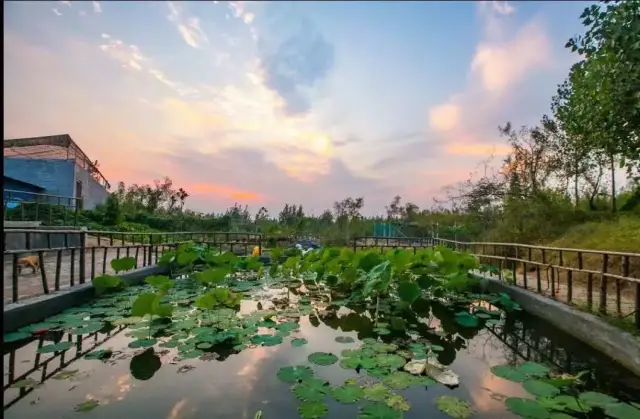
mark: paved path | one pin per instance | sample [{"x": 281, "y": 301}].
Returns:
[{"x": 30, "y": 285}]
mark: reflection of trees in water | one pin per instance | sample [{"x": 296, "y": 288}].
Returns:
[
  {"x": 360, "y": 320},
  {"x": 83, "y": 345},
  {"x": 531, "y": 339}
]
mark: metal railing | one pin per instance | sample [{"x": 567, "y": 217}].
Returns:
[
  {"x": 606, "y": 282},
  {"x": 66, "y": 258},
  {"x": 47, "y": 208}
]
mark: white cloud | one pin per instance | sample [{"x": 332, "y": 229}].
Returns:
[
  {"x": 66, "y": 3},
  {"x": 189, "y": 29},
  {"x": 106, "y": 36},
  {"x": 96, "y": 7},
  {"x": 82, "y": 13},
  {"x": 129, "y": 57},
  {"x": 56, "y": 12}
]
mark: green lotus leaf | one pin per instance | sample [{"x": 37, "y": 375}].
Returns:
[
  {"x": 15, "y": 336},
  {"x": 400, "y": 380},
  {"x": 527, "y": 408},
  {"x": 86, "y": 406},
  {"x": 383, "y": 347},
  {"x": 379, "y": 411},
  {"x": 287, "y": 326},
  {"x": 142, "y": 343},
  {"x": 347, "y": 394},
  {"x": 398, "y": 402},
  {"x": 323, "y": 358},
  {"x": 377, "y": 392},
  {"x": 299, "y": 342},
  {"x": 266, "y": 340},
  {"x": 99, "y": 354},
  {"x": 533, "y": 369},
  {"x": 390, "y": 361},
  {"x": 465, "y": 319},
  {"x": 454, "y": 407},
  {"x": 595, "y": 399},
  {"x": 313, "y": 410},
  {"x": 306, "y": 393},
  {"x": 295, "y": 374},
  {"x": 27, "y": 382},
  {"x": 58, "y": 347},
  {"x": 350, "y": 363},
  {"x": 194, "y": 353},
  {"x": 540, "y": 388},
  {"x": 344, "y": 339},
  {"x": 509, "y": 373},
  {"x": 622, "y": 411}
]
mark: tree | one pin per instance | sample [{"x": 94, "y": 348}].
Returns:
[{"x": 347, "y": 210}]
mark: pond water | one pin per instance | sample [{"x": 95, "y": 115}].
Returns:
[{"x": 240, "y": 379}]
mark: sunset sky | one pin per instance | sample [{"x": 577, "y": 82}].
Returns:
[{"x": 265, "y": 103}]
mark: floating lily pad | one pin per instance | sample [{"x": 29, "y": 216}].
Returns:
[
  {"x": 595, "y": 399},
  {"x": 323, "y": 358},
  {"x": 307, "y": 393},
  {"x": 65, "y": 374},
  {"x": 27, "y": 382},
  {"x": 390, "y": 360},
  {"x": 86, "y": 406},
  {"x": 377, "y": 392},
  {"x": 142, "y": 343},
  {"x": 622, "y": 411},
  {"x": 347, "y": 394},
  {"x": 299, "y": 342},
  {"x": 99, "y": 354},
  {"x": 400, "y": 380},
  {"x": 540, "y": 388},
  {"x": 509, "y": 373},
  {"x": 398, "y": 402},
  {"x": 454, "y": 407},
  {"x": 344, "y": 339},
  {"x": 266, "y": 340},
  {"x": 295, "y": 374},
  {"x": 313, "y": 410},
  {"x": 58, "y": 347},
  {"x": 15, "y": 336},
  {"x": 533, "y": 369},
  {"x": 527, "y": 408},
  {"x": 379, "y": 411}
]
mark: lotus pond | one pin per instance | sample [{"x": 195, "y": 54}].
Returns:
[{"x": 333, "y": 333}]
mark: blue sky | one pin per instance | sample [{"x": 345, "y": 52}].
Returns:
[{"x": 305, "y": 102}]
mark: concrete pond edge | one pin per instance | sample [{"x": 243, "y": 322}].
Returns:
[
  {"x": 36, "y": 309},
  {"x": 617, "y": 344}
]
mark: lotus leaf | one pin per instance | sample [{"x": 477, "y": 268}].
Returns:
[
  {"x": 595, "y": 399},
  {"x": 306, "y": 393},
  {"x": 400, "y": 380},
  {"x": 390, "y": 361},
  {"x": 622, "y": 411},
  {"x": 266, "y": 340},
  {"x": 295, "y": 374},
  {"x": 533, "y": 369},
  {"x": 377, "y": 392},
  {"x": 350, "y": 363},
  {"x": 142, "y": 343},
  {"x": 15, "y": 336},
  {"x": 398, "y": 402},
  {"x": 287, "y": 326},
  {"x": 299, "y": 342},
  {"x": 509, "y": 373},
  {"x": 313, "y": 410},
  {"x": 347, "y": 394},
  {"x": 454, "y": 407},
  {"x": 27, "y": 382},
  {"x": 465, "y": 319},
  {"x": 527, "y": 408},
  {"x": 60, "y": 346},
  {"x": 379, "y": 411},
  {"x": 194, "y": 353},
  {"x": 99, "y": 354},
  {"x": 323, "y": 358},
  {"x": 86, "y": 406},
  {"x": 344, "y": 339},
  {"x": 540, "y": 388}
]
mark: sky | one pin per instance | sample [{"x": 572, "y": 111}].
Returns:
[{"x": 267, "y": 103}]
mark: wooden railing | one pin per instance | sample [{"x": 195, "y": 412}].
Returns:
[
  {"x": 70, "y": 257},
  {"x": 595, "y": 280}
]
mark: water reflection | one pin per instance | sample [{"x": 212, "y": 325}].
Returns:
[
  {"x": 18, "y": 359},
  {"x": 239, "y": 384}
]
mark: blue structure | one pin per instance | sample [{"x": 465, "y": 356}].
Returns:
[
  {"x": 52, "y": 165},
  {"x": 387, "y": 230}
]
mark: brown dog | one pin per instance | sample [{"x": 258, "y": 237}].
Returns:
[{"x": 32, "y": 262}]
